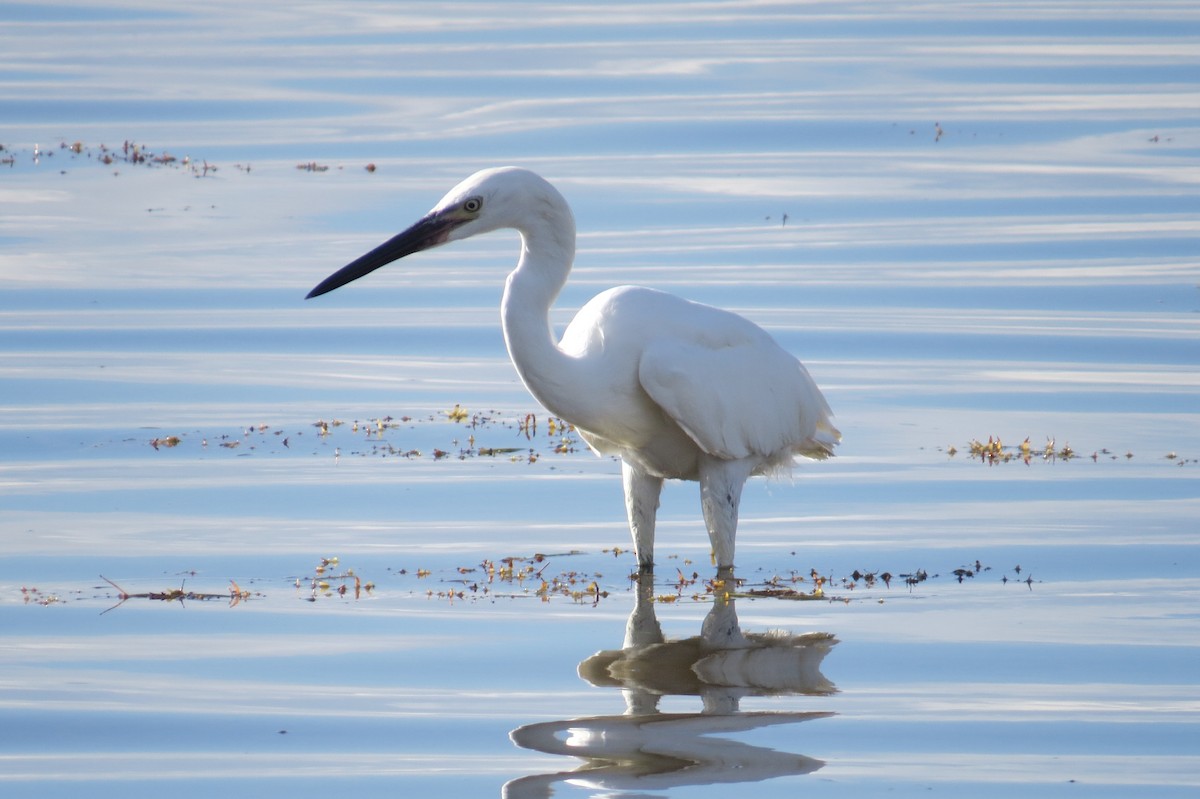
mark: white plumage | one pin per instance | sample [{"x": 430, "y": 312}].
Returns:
[{"x": 676, "y": 389}]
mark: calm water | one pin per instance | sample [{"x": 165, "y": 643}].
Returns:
[{"x": 991, "y": 230}]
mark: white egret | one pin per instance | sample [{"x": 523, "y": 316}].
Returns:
[{"x": 677, "y": 389}]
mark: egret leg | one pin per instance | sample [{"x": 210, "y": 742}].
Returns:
[
  {"x": 641, "y": 503},
  {"x": 721, "y": 483}
]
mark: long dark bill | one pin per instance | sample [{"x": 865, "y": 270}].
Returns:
[{"x": 429, "y": 231}]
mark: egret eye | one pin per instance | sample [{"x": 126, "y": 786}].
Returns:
[{"x": 473, "y": 204}]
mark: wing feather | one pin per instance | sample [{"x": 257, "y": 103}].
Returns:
[{"x": 740, "y": 398}]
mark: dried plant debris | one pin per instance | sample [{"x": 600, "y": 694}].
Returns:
[
  {"x": 328, "y": 581},
  {"x": 235, "y": 595},
  {"x": 519, "y": 577},
  {"x": 459, "y": 433},
  {"x": 129, "y": 153},
  {"x": 32, "y": 595},
  {"x": 561, "y": 577},
  {"x": 548, "y": 577},
  {"x": 995, "y": 451},
  {"x": 795, "y": 585}
]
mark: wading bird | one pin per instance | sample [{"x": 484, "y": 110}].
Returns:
[{"x": 676, "y": 389}]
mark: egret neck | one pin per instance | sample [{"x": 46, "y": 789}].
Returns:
[{"x": 547, "y": 252}]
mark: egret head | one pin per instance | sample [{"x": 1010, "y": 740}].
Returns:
[{"x": 504, "y": 197}]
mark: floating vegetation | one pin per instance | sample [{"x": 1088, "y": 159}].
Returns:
[
  {"x": 519, "y": 577},
  {"x": 128, "y": 153},
  {"x": 327, "y": 582},
  {"x": 995, "y": 451},
  {"x": 526, "y": 577},
  {"x": 236, "y": 595},
  {"x": 817, "y": 586},
  {"x": 35, "y": 596},
  {"x": 526, "y": 438},
  {"x": 571, "y": 576},
  {"x": 517, "y": 439}
]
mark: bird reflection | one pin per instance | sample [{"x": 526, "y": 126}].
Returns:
[{"x": 645, "y": 749}]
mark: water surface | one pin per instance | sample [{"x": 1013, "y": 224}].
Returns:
[{"x": 990, "y": 231}]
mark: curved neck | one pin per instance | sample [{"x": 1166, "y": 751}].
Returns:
[{"x": 547, "y": 251}]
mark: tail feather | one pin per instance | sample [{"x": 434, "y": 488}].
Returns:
[{"x": 823, "y": 440}]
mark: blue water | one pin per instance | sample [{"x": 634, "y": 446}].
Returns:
[{"x": 1028, "y": 272}]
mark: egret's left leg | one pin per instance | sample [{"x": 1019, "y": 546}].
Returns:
[{"x": 721, "y": 483}]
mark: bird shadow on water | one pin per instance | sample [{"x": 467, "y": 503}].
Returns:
[{"x": 646, "y": 749}]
